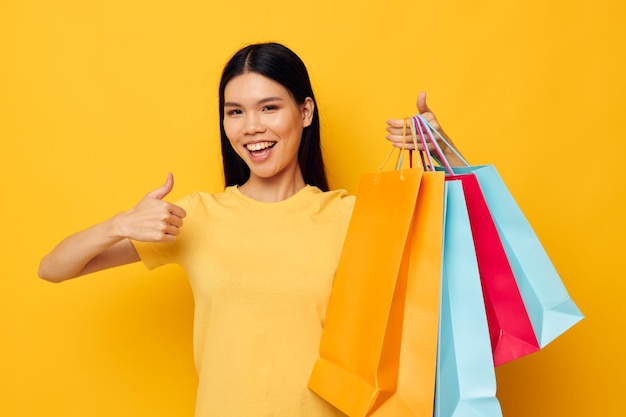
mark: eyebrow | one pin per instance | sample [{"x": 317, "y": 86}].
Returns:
[{"x": 262, "y": 101}]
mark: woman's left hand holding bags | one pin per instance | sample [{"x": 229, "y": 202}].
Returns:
[{"x": 399, "y": 135}]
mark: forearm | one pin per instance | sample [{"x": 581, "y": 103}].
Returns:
[
  {"x": 108, "y": 244},
  {"x": 451, "y": 153},
  {"x": 71, "y": 256}
]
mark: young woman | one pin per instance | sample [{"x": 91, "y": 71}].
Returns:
[{"x": 260, "y": 256}]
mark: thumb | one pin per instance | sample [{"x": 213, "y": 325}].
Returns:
[
  {"x": 422, "y": 107},
  {"x": 163, "y": 190}
]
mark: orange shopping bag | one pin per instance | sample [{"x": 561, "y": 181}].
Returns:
[
  {"x": 378, "y": 347},
  {"x": 418, "y": 351}
]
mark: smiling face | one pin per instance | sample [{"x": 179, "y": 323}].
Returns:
[{"x": 264, "y": 125}]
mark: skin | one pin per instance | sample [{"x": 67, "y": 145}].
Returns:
[
  {"x": 261, "y": 115},
  {"x": 258, "y": 112},
  {"x": 107, "y": 244},
  {"x": 395, "y": 132}
]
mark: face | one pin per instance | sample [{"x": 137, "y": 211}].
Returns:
[{"x": 264, "y": 125}]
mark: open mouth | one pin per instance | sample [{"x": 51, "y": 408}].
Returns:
[{"x": 260, "y": 148}]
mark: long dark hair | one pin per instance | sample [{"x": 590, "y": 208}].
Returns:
[{"x": 278, "y": 63}]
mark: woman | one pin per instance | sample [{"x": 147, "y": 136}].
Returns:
[{"x": 260, "y": 256}]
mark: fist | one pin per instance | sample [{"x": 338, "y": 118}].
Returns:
[
  {"x": 154, "y": 219},
  {"x": 399, "y": 134}
]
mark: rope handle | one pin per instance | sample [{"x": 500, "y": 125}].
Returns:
[
  {"x": 421, "y": 122},
  {"x": 399, "y": 161}
]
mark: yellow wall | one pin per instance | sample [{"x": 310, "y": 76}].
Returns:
[{"x": 100, "y": 99}]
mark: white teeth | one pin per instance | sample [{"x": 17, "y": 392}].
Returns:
[{"x": 259, "y": 146}]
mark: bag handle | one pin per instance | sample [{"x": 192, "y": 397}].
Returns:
[
  {"x": 399, "y": 161},
  {"x": 419, "y": 122},
  {"x": 420, "y": 163},
  {"x": 414, "y": 127}
]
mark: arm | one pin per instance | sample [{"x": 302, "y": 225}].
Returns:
[
  {"x": 107, "y": 244},
  {"x": 395, "y": 133}
]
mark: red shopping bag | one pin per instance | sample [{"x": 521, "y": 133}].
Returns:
[{"x": 511, "y": 331}]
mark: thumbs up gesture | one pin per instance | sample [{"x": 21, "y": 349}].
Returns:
[{"x": 154, "y": 219}]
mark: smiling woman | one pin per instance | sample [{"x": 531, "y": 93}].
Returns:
[
  {"x": 264, "y": 126},
  {"x": 277, "y": 74},
  {"x": 260, "y": 256}
]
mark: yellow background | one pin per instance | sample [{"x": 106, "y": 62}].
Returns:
[{"x": 100, "y": 99}]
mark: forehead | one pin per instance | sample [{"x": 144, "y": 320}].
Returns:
[{"x": 251, "y": 87}]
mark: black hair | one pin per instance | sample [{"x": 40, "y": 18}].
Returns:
[{"x": 281, "y": 64}]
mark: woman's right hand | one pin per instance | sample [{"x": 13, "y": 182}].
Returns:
[
  {"x": 107, "y": 244},
  {"x": 152, "y": 219}
]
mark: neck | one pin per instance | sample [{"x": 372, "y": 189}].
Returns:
[{"x": 272, "y": 190}]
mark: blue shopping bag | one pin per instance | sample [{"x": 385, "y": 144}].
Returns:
[
  {"x": 465, "y": 383},
  {"x": 548, "y": 304}
]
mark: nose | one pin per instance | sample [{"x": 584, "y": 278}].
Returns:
[{"x": 253, "y": 124}]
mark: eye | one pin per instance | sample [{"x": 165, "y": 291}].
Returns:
[
  {"x": 270, "y": 107},
  {"x": 234, "y": 112}
]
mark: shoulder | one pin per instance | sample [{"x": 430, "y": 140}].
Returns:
[
  {"x": 339, "y": 200},
  {"x": 191, "y": 201},
  {"x": 341, "y": 196},
  {"x": 204, "y": 198},
  {"x": 199, "y": 202}
]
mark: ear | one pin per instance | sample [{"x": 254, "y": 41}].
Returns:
[{"x": 307, "y": 108}]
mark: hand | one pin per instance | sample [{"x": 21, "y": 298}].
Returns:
[
  {"x": 153, "y": 219},
  {"x": 398, "y": 135}
]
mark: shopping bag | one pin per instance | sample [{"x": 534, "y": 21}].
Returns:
[
  {"x": 548, "y": 304},
  {"x": 465, "y": 382},
  {"x": 418, "y": 349},
  {"x": 357, "y": 368},
  {"x": 511, "y": 332}
]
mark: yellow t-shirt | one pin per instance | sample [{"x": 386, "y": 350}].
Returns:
[{"x": 261, "y": 275}]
